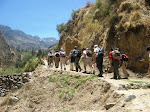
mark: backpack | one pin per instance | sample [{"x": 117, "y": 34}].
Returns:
[
  {"x": 148, "y": 48},
  {"x": 50, "y": 55},
  {"x": 76, "y": 53},
  {"x": 62, "y": 54},
  {"x": 100, "y": 52},
  {"x": 89, "y": 53},
  {"x": 57, "y": 55},
  {"x": 72, "y": 53},
  {"x": 125, "y": 57},
  {"x": 116, "y": 54}
]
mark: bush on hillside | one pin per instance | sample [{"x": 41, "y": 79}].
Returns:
[
  {"x": 61, "y": 28},
  {"x": 31, "y": 65},
  {"x": 98, "y": 4},
  {"x": 75, "y": 14}
]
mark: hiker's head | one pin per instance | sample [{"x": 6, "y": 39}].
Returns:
[
  {"x": 62, "y": 49},
  {"x": 83, "y": 49},
  {"x": 111, "y": 49},
  {"x": 95, "y": 46},
  {"x": 75, "y": 47}
]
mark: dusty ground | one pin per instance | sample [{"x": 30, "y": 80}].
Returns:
[{"x": 51, "y": 90}]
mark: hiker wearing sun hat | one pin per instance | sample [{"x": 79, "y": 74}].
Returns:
[{"x": 98, "y": 60}]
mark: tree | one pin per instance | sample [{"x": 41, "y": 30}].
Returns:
[
  {"x": 33, "y": 52},
  {"x": 61, "y": 27}
]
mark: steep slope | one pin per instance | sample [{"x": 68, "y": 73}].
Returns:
[
  {"x": 110, "y": 24},
  {"x": 17, "y": 38},
  {"x": 4, "y": 48}
]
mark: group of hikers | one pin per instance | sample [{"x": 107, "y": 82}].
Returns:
[{"x": 92, "y": 59}]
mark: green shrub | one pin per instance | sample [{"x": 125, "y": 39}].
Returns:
[
  {"x": 75, "y": 14},
  {"x": 61, "y": 28},
  {"x": 98, "y": 4},
  {"x": 10, "y": 70},
  {"x": 31, "y": 65}
]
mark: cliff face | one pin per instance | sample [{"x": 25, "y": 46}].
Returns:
[
  {"x": 112, "y": 23},
  {"x": 4, "y": 48}
]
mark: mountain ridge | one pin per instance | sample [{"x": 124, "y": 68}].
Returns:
[{"x": 17, "y": 38}]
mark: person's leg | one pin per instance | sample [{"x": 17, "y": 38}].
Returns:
[
  {"x": 90, "y": 63},
  {"x": 115, "y": 69},
  {"x": 71, "y": 66},
  {"x": 61, "y": 63},
  {"x": 76, "y": 64},
  {"x": 85, "y": 64},
  {"x": 124, "y": 65},
  {"x": 56, "y": 63},
  {"x": 64, "y": 63},
  {"x": 116, "y": 65}
]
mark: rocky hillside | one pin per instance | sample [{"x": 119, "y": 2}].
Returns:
[
  {"x": 17, "y": 38},
  {"x": 111, "y": 23},
  {"x": 4, "y": 48}
]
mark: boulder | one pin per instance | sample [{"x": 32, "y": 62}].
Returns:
[
  {"x": 129, "y": 98},
  {"x": 109, "y": 105}
]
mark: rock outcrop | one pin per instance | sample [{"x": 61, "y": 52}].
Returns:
[
  {"x": 110, "y": 24},
  {"x": 5, "y": 51}
]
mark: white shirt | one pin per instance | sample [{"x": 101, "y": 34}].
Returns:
[
  {"x": 85, "y": 53},
  {"x": 96, "y": 50}
]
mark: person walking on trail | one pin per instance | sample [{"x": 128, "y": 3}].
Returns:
[
  {"x": 62, "y": 59},
  {"x": 57, "y": 59},
  {"x": 83, "y": 58},
  {"x": 115, "y": 57},
  {"x": 72, "y": 61},
  {"x": 110, "y": 69},
  {"x": 88, "y": 56},
  {"x": 98, "y": 59},
  {"x": 77, "y": 55},
  {"x": 50, "y": 59},
  {"x": 124, "y": 60}
]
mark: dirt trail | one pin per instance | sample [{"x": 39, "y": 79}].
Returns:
[{"x": 71, "y": 93}]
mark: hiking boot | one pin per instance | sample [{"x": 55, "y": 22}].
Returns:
[
  {"x": 84, "y": 72},
  {"x": 113, "y": 78},
  {"x": 125, "y": 78},
  {"x": 94, "y": 72},
  {"x": 100, "y": 76},
  {"x": 119, "y": 77}
]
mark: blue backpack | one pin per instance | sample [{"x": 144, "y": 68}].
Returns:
[{"x": 100, "y": 52}]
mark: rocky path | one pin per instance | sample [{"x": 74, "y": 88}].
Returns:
[
  {"x": 96, "y": 95},
  {"x": 140, "y": 87}
]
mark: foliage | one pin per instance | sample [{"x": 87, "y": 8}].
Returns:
[
  {"x": 138, "y": 82},
  {"x": 33, "y": 52},
  {"x": 9, "y": 70},
  {"x": 41, "y": 53},
  {"x": 61, "y": 28},
  {"x": 69, "y": 84},
  {"x": 75, "y": 14},
  {"x": 22, "y": 60},
  {"x": 31, "y": 65},
  {"x": 98, "y": 4}
]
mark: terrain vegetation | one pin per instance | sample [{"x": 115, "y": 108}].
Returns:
[
  {"x": 111, "y": 23},
  {"x": 31, "y": 86}
]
